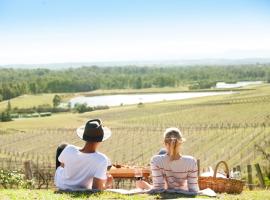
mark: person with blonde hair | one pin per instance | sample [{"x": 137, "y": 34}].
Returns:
[{"x": 170, "y": 169}]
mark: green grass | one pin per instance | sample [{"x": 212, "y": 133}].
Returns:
[
  {"x": 248, "y": 195},
  {"x": 50, "y": 194},
  {"x": 28, "y": 101}
]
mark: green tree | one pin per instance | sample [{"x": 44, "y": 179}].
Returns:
[
  {"x": 5, "y": 116},
  {"x": 81, "y": 108},
  {"x": 56, "y": 100},
  {"x": 268, "y": 77},
  {"x": 15, "y": 82},
  {"x": 138, "y": 83},
  {"x": 33, "y": 88}
]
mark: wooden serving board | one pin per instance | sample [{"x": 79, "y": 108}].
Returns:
[{"x": 127, "y": 172}]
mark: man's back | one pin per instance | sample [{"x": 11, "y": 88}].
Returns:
[{"x": 79, "y": 168}]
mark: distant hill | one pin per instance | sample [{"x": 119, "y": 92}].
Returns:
[{"x": 154, "y": 63}]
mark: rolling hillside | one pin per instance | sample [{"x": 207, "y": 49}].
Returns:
[{"x": 217, "y": 128}]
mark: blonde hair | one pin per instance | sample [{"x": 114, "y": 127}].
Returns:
[{"x": 173, "y": 137}]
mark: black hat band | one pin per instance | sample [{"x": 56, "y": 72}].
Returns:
[{"x": 93, "y": 132}]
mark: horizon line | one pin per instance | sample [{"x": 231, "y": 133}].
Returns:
[{"x": 153, "y": 62}]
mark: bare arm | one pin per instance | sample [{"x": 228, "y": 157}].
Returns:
[
  {"x": 109, "y": 182},
  {"x": 99, "y": 184}
]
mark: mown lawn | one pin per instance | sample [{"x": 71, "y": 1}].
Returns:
[{"x": 50, "y": 194}]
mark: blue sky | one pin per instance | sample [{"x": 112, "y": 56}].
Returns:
[{"x": 52, "y": 31}]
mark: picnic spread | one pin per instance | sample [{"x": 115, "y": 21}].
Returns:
[
  {"x": 213, "y": 182},
  {"x": 209, "y": 185},
  {"x": 125, "y": 171}
]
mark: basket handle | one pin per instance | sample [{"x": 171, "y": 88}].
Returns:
[{"x": 226, "y": 167}]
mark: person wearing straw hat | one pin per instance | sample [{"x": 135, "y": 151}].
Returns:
[
  {"x": 170, "y": 169},
  {"x": 83, "y": 168}
]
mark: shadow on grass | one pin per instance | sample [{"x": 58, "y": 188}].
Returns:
[
  {"x": 174, "y": 196},
  {"x": 79, "y": 194},
  {"x": 87, "y": 194}
]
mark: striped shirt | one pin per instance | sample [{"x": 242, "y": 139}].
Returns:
[{"x": 176, "y": 174}]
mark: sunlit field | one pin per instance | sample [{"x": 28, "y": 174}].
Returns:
[
  {"x": 217, "y": 128},
  {"x": 50, "y": 194}
]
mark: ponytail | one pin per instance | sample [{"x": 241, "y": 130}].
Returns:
[
  {"x": 173, "y": 138},
  {"x": 174, "y": 148}
]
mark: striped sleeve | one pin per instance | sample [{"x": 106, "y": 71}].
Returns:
[
  {"x": 157, "y": 175},
  {"x": 192, "y": 177}
]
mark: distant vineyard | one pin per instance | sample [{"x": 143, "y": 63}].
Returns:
[
  {"x": 136, "y": 145},
  {"x": 226, "y": 129}
]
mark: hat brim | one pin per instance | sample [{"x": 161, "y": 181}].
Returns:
[{"x": 107, "y": 132}]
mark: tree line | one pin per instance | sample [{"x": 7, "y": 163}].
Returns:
[{"x": 15, "y": 82}]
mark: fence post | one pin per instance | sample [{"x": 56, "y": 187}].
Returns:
[
  {"x": 250, "y": 182},
  {"x": 259, "y": 174},
  {"x": 28, "y": 170},
  {"x": 199, "y": 166},
  {"x": 238, "y": 168}
]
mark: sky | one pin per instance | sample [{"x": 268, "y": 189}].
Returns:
[{"x": 58, "y": 31}]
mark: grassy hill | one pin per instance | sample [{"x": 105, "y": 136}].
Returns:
[
  {"x": 28, "y": 101},
  {"x": 224, "y": 127}
]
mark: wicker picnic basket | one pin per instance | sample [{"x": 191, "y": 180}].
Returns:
[{"x": 220, "y": 185}]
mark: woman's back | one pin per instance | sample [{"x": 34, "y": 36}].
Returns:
[{"x": 177, "y": 174}]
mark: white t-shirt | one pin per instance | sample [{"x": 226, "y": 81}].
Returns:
[{"x": 79, "y": 168}]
